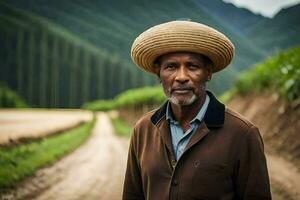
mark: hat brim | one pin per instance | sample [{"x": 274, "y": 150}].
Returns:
[{"x": 181, "y": 36}]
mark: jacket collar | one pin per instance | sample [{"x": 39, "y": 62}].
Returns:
[{"x": 214, "y": 116}]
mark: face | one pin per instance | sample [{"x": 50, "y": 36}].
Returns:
[{"x": 183, "y": 77}]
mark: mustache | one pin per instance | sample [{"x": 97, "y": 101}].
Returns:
[{"x": 181, "y": 88}]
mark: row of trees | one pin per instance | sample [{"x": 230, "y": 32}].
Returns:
[{"x": 50, "y": 67}]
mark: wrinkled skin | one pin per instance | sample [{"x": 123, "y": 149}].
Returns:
[{"x": 183, "y": 77}]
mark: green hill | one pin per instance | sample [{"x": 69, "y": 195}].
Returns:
[{"x": 279, "y": 32}]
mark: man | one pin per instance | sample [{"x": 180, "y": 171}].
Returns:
[{"x": 193, "y": 147}]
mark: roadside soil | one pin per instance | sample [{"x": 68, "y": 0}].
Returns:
[
  {"x": 17, "y": 125},
  {"x": 93, "y": 171}
]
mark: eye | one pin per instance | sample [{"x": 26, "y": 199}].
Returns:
[
  {"x": 169, "y": 66},
  {"x": 193, "y": 66}
]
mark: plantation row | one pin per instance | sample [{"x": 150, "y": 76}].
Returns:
[{"x": 50, "y": 67}]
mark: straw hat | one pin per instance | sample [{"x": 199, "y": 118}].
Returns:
[{"x": 181, "y": 36}]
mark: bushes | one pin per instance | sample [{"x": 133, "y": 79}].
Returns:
[
  {"x": 280, "y": 73},
  {"x": 9, "y": 99},
  {"x": 132, "y": 97}
]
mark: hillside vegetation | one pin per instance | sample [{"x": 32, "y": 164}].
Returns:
[
  {"x": 131, "y": 98},
  {"x": 280, "y": 74}
]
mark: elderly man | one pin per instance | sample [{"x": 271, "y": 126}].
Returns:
[{"x": 192, "y": 147}]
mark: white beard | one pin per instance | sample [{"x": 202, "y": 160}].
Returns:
[{"x": 189, "y": 101}]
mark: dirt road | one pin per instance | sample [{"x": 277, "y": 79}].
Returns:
[
  {"x": 94, "y": 171},
  {"x": 284, "y": 178}
]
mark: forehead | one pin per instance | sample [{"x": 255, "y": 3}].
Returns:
[{"x": 187, "y": 56}]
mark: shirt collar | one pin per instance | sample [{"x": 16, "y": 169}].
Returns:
[{"x": 200, "y": 115}]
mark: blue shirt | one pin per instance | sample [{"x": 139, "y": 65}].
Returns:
[{"x": 179, "y": 138}]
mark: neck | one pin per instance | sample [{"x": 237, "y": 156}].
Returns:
[{"x": 185, "y": 113}]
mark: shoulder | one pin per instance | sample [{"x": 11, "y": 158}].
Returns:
[
  {"x": 239, "y": 125},
  {"x": 145, "y": 119},
  {"x": 234, "y": 118},
  {"x": 144, "y": 123},
  {"x": 242, "y": 128},
  {"x": 143, "y": 129}
]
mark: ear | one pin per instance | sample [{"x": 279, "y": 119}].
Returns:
[
  {"x": 156, "y": 68},
  {"x": 209, "y": 72}
]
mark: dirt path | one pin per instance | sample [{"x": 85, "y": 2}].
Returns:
[
  {"x": 284, "y": 178},
  {"x": 94, "y": 171}
]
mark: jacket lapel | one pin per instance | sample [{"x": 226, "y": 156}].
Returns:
[
  {"x": 215, "y": 113},
  {"x": 200, "y": 133},
  {"x": 165, "y": 133}
]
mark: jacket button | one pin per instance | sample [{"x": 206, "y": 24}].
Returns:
[
  {"x": 175, "y": 182},
  {"x": 173, "y": 162},
  {"x": 196, "y": 164}
]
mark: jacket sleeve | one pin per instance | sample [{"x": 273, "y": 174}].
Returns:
[
  {"x": 252, "y": 179},
  {"x": 133, "y": 187}
]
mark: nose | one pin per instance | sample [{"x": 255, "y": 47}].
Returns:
[{"x": 182, "y": 75}]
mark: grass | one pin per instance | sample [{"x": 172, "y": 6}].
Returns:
[
  {"x": 121, "y": 127},
  {"x": 22, "y": 161}
]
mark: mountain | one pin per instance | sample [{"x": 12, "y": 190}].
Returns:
[
  {"x": 279, "y": 32},
  {"x": 239, "y": 19},
  {"x": 72, "y": 51}
]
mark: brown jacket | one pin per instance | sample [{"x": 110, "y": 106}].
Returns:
[{"x": 223, "y": 160}]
